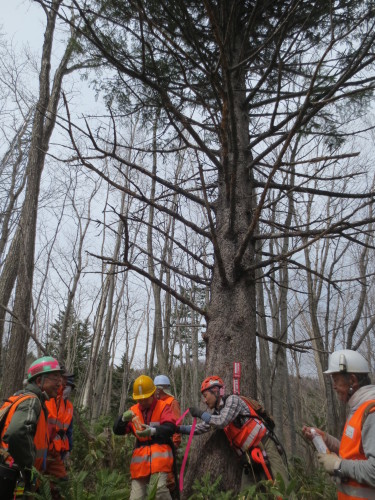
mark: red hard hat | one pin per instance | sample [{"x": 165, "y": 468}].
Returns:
[{"x": 210, "y": 382}]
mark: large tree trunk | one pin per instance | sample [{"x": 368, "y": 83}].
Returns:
[{"x": 231, "y": 329}]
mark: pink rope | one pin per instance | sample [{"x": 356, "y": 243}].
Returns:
[
  {"x": 182, "y": 470},
  {"x": 182, "y": 417}
]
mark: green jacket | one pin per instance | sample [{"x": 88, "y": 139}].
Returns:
[{"x": 21, "y": 431}]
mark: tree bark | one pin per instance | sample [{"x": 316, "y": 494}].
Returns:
[
  {"x": 43, "y": 124},
  {"x": 231, "y": 327}
]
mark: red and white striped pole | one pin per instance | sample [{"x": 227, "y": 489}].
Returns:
[{"x": 236, "y": 377}]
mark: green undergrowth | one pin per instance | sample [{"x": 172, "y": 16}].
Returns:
[
  {"x": 304, "y": 485},
  {"x": 100, "y": 463}
]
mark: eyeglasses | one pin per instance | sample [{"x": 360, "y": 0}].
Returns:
[{"x": 54, "y": 377}]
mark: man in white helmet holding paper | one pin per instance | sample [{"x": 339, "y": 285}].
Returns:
[{"x": 351, "y": 460}]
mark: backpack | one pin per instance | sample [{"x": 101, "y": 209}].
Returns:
[
  {"x": 5, "y": 409},
  {"x": 266, "y": 417}
]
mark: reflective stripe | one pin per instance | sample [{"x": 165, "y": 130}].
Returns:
[
  {"x": 150, "y": 457},
  {"x": 252, "y": 438},
  {"x": 249, "y": 435},
  {"x": 356, "y": 491},
  {"x": 60, "y": 414},
  {"x": 40, "y": 453},
  {"x": 41, "y": 442},
  {"x": 146, "y": 458},
  {"x": 58, "y": 423},
  {"x": 166, "y": 454},
  {"x": 138, "y": 460}
]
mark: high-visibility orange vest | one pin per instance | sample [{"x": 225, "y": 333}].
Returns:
[
  {"x": 176, "y": 438},
  {"x": 249, "y": 435},
  {"x": 60, "y": 415},
  {"x": 351, "y": 449},
  {"x": 41, "y": 433},
  {"x": 168, "y": 399},
  {"x": 150, "y": 457}
]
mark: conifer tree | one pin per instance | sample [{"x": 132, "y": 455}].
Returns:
[{"x": 238, "y": 85}]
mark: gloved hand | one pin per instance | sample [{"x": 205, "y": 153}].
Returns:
[
  {"x": 30, "y": 477},
  {"x": 183, "y": 429},
  {"x": 127, "y": 416},
  {"x": 330, "y": 462},
  {"x": 147, "y": 431},
  {"x": 195, "y": 411}
]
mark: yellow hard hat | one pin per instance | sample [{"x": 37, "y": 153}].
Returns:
[{"x": 143, "y": 387}]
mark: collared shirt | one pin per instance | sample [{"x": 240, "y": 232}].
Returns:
[{"x": 176, "y": 410}]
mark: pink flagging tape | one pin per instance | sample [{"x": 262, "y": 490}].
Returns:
[
  {"x": 186, "y": 454},
  {"x": 182, "y": 417},
  {"x": 182, "y": 470}
]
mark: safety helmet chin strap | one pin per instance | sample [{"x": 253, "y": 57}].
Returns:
[
  {"x": 42, "y": 377},
  {"x": 216, "y": 391},
  {"x": 218, "y": 399}
]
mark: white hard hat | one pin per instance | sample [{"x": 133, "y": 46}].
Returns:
[
  {"x": 161, "y": 380},
  {"x": 348, "y": 361}
]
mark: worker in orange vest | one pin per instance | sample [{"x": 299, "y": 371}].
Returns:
[
  {"x": 352, "y": 460},
  {"x": 153, "y": 424},
  {"x": 163, "y": 392},
  {"x": 60, "y": 429},
  {"x": 255, "y": 443},
  {"x": 24, "y": 437}
]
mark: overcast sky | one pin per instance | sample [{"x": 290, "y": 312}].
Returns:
[{"x": 22, "y": 21}]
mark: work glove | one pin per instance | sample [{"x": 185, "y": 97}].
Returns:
[
  {"x": 127, "y": 416},
  {"x": 30, "y": 477},
  {"x": 147, "y": 431},
  {"x": 183, "y": 429},
  {"x": 330, "y": 461},
  {"x": 197, "y": 412}
]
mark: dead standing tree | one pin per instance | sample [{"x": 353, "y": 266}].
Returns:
[{"x": 236, "y": 82}]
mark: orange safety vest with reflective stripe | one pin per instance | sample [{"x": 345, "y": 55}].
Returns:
[
  {"x": 176, "y": 438},
  {"x": 60, "y": 415},
  {"x": 41, "y": 432},
  {"x": 150, "y": 457},
  {"x": 351, "y": 449},
  {"x": 247, "y": 436}
]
